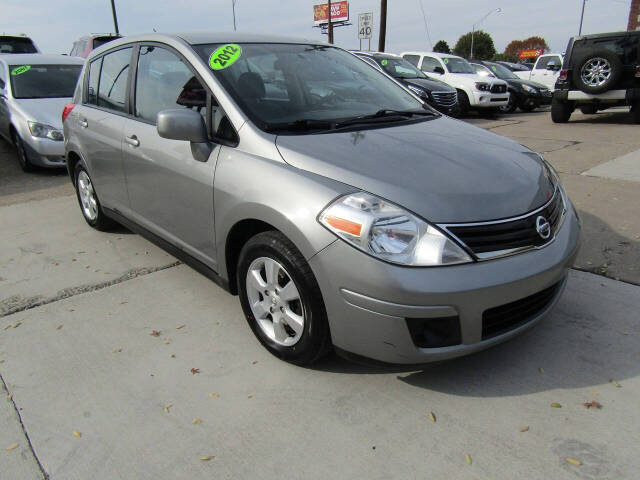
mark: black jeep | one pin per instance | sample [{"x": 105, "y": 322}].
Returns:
[{"x": 599, "y": 71}]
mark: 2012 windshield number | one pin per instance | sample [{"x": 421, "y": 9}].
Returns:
[{"x": 226, "y": 55}]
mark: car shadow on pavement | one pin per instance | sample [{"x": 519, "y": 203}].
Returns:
[
  {"x": 618, "y": 117},
  {"x": 588, "y": 339}
]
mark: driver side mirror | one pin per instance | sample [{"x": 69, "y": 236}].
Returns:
[
  {"x": 438, "y": 70},
  {"x": 187, "y": 125}
]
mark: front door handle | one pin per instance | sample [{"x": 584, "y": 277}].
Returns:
[
  {"x": 84, "y": 123},
  {"x": 132, "y": 140}
]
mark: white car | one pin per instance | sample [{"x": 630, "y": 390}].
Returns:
[
  {"x": 545, "y": 71},
  {"x": 474, "y": 91}
]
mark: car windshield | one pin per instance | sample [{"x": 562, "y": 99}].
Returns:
[
  {"x": 278, "y": 83},
  {"x": 399, "y": 68},
  {"x": 501, "y": 72},
  {"x": 457, "y": 65},
  {"x": 44, "y": 81},
  {"x": 17, "y": 45}
]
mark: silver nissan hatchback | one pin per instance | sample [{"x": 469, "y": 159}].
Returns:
[{"x": 344, "y": 212}]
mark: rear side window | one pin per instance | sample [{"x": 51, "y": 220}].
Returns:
[
  {"x": 164, "y": 82},
  {"x": 112, "y": 87},
  {"x": 94, "y": 79},
  {"x": 429, "y": 64},
  {"x": 414, "y": 59},
  {"x": 544, "y": 61},
  {"x": 17, "y": 45}
]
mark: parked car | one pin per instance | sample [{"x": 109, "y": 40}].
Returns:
[
  {"x": 366, "y": 222},
  {"x": 545, "y": 71},
  {"x": 17, "y": 44},
  {"x": 436, "y": 93},
  {"x": 523, "y": 94},
  {"x": 599, "y": 71},
  {"x": 33, "y": 91},
  {"x": 474, "y": 91},
  {"x": 85, "y": 45}
]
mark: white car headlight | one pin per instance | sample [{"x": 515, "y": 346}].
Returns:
[
  {"x": 390, "y": 233},
  {"x": 41, "y": 130},
  {"x": 529, "y": 89}
]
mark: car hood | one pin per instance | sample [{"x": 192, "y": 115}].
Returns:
[
  {"x": 520, "y": 82},
  {"x": 442, "y": 169},
  {"x": 428, "y": 84},
  {"x": 44, "y": 110},
  {"x": 470, "y": 80}
]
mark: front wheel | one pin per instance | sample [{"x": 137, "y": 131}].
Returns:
[
  {"x": 635, "y": 112},
  {"x": 88, "y": 200},
  {"x": 511, "y": 106},
  {"x": 560, "y": 111},
  {"x": 21, "y": 150},
  {"x": 281, "y": 299}
]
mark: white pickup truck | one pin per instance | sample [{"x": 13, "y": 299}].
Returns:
[{"x": 545, "y": 71}]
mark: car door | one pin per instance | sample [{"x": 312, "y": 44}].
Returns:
[
  {"x": 171, "y": 192},
  {"x": 4, "y": 107},
  {"x": 101, "y": 120}
]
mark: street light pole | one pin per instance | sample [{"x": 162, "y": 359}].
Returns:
[
  {"x": 330, "y": 23},
  {"x": 473, "y": 27},
  {"x": 581, "y": 17},
  {"x": 115, "y": 16},
  {"x": 233, "y": 6}
]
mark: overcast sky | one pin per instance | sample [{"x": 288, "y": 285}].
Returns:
[{"x": 54, "y": 24}]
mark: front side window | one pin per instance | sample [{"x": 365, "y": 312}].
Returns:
[
  {"x": 43, "y": 81},
  {"x": 457, "y": 65},
  {"x": 112, "y": 88},
  {"x": 164, "y": 82},
  {"x": 544, "y": 61},
  {"x": 430, "y": 64},
  {"x": 399, "y": 67},
  {"x": 412, "y": 59},
  {"x": 280, "y": 83},
  {"x": 94, "y": 79}
]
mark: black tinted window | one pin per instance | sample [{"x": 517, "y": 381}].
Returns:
[
  {"x": 17, "y": 45},
  {"x": 44, "y": 81},
  {"x": 94, "y": 78},
  {"x": 544, "y": 61},
  {"x": 112, "y": 89},
  {"x": 99, "y": 41},
  {"x": 165, "y": 82},
  {"x": 429, "y": 64},
  {"x": 413, "y": 59}
]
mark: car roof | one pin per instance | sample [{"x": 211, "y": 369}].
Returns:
[
  {"x": 433, "y": 54},
  {"x": 197, "y": 38},
  {"x": 608, "y": 34},
  {"x": 40, "y": 59},
  {"x": 99, "y": 35},
  {"x": 376, "y": 54}
]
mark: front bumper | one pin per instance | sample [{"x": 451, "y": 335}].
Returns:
[
  {"x": 489, "y": 100},
  {"x": 369, "y": 301},
  {"x": 44, "y": 152}
]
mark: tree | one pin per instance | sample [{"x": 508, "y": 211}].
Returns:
[
  {"x": 483, "y": 48},
  {"x": 531, "y": 43},
  {"x": 441, "y": 47}
]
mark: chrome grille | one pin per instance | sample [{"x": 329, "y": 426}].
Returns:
[
  {"x": 445, "y": 99},
  {"x": 504, "y": 237}
]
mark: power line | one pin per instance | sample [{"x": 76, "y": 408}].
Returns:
[{"x": 426, "y": 26}]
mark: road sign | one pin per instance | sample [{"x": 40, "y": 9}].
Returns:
[{"x": 365, "y": 25}]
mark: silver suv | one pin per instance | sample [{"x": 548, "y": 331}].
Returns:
[{"x": 343, "y": 211}]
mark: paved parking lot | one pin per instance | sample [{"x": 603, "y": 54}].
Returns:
[{"x": 90, "y": 392}]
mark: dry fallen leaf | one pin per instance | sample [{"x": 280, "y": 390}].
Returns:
[
  {"x": 167, "y": 407},
  {"x": 59, "y": 327},
  {"x": 593, "y": 404},
  {"x": 17, "y": 324},
  {"x": 615, "y": 384},
  {"x": 155, "y": 333},
  {"x": 167, "y": 341},
  {"x": 76, "y": 433},
  {"x": 10, "y": 396},
  {"x": 173, "y": 355},
  {"x": 432, "y": 417},
  {"x": 196, "y": 421},
  {"x": 254, "y": 362},
  {"x": 12, "y": 447},
  {"x": 179, "y": 327},
  {"x": 117, "y": 350},
  {"x": 573, "y": 461},
  {"x": 214, "y": 395},
  {"x": 207, "y": 458},
  {"x": 249, "y": 396},
  {"x": 556, "y": 405},
  {"x": 195, "y": 370},
  {"x": 467, "y": 457},
  {"x": 541, "y": 370},
  {"x": 524, "y": 429}
]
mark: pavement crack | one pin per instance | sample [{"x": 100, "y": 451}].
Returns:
[
  {"x": 45, "y": 475},
  {"x": 16, "y": 303}
]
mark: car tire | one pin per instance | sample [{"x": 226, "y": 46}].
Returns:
[
  {"x": 529, "y": 106},
  {"x": 88, "y": 200},
  {"x": 635, "y": 112},
  {"x": 589, "y": 109},
  {"x": 560, "y": 111},
  {"x": 293, "y": 328},
  {"x": 463, "y": 103},
  {"x": 21, "y": 151},
  {"x": 608, "y": 63},
  {"x": 511, "y": 106}
]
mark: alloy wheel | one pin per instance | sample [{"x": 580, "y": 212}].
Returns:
[
  {"x": 87, "y": 196},
  {"x": 596, "y": 72}
]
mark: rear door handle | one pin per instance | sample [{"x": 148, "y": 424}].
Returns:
[
  {"x": 132, "y": 140},
  {"x": 84, "y": 123}
]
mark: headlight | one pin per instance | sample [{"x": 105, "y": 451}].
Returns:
[
  {"x": 483, "y": 87},
  {"x": 418, "y": 91},
  {"x": 41, "y": 130},
  {"x": 389, "y": 232},
  {"x": 529, "y": 89}
]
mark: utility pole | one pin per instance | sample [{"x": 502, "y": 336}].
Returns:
[
  {"x": 581, "y": 17},
  {"x": 383, "y": 25},
  {"x": 233, "y": 6},
  {"x": 330, "y": 24},
  {"x": 115, "y": 16}
]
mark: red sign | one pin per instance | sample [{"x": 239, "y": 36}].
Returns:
[
  {"x": 339, "y": 13},
  {"x": 530, "y": 53}
]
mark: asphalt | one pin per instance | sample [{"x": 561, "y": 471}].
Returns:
[{"x": 90, "y": 390}]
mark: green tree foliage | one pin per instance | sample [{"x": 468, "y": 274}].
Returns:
[
  {"x": 483, "y": 48},
  {"x": 441, "y": 47}
]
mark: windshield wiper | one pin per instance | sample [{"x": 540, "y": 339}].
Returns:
[
  {"x": 385, "y": 115},
  {"x": 301, "y": 125}
]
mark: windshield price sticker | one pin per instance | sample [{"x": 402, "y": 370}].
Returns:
[
  {"x": 20, "y": 70},
  {"x": 446, "y": 60},
  {"x": 384, "y": 63},
  {"x": 225, "y": 56}
]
